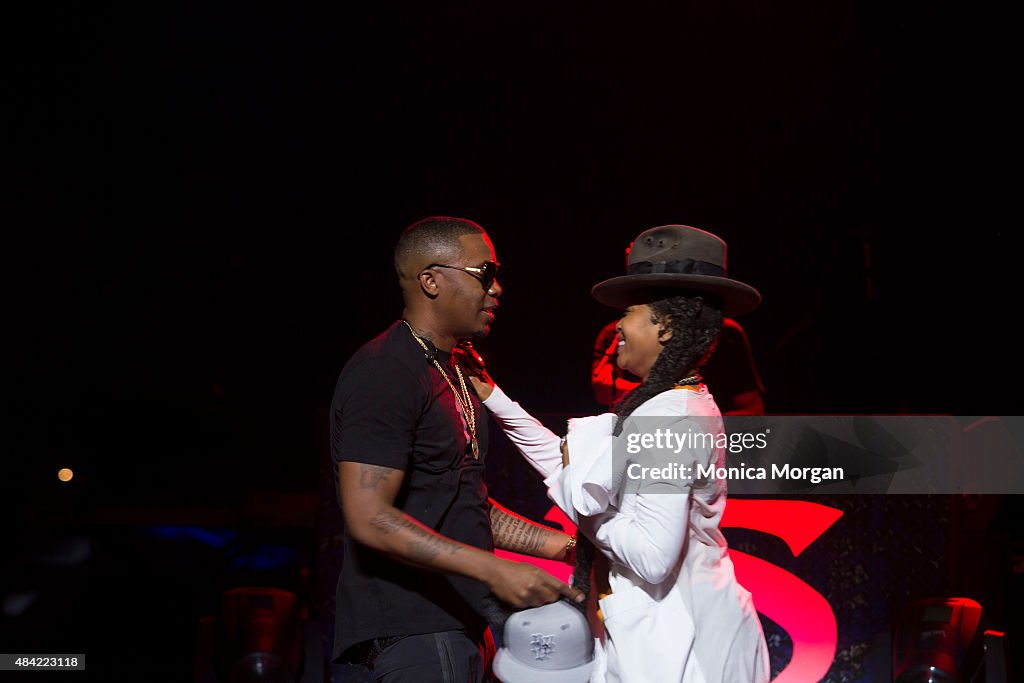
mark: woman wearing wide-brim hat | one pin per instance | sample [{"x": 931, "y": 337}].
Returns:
[{"x": 670, "y": 606}]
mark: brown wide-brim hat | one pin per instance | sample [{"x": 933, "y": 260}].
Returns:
[{"x": 671, "y": 260}]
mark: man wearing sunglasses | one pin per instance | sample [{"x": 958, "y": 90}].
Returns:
[{"x": 409, "y": 439}]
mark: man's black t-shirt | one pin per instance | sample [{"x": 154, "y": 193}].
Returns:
[{"x": 393, "y": 408}]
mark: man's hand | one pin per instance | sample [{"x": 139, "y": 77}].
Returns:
[{"x": 523, "y": 585}]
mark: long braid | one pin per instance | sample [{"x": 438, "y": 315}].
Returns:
[{"x": 695, "y": 322}]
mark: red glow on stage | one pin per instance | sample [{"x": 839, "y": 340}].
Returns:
[
  {"x": 782, "y": 597},
  {"x": 799, "y": 609},
  {"x": 797, "y": 522}
]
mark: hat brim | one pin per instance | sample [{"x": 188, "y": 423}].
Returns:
[
  {"x": 627, "y": 290},
  {"x": 511, "y": 670}
]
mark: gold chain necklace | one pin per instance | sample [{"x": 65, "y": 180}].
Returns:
[
  {"x": 692, "y": 380},
  {"x": 463, "y": 399}
]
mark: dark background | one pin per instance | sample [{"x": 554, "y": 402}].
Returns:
[{"x": 205, "y": 196}]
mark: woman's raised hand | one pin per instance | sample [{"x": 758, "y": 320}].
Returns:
[{"x": 471, "y": 361}]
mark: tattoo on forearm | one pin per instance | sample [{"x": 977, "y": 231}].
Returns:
[
  {"x": 515, "y": 533},
  {"x": 370, "y": 476},
  {"x": 529, "y": 538},
  {"x": 387, "y": 521},
  {"x": 428, "y": 545},
  {"x": 429, "y": 548},
  {"x": 424, "y": 547}
]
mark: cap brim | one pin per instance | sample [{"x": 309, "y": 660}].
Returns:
[
  {"x": 627, "y": 290},
  {"x": 511, "y": 670}
]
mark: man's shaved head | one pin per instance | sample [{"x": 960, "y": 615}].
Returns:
[{"x": 431, "y": 240}]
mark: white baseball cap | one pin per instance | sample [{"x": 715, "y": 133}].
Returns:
[{"x": 546, "y": 644}]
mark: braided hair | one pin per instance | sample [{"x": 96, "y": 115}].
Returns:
[{"x": 695, "y": 321}]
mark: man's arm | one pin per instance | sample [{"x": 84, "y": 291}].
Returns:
[
  {"x": 521, "y": 535},
  {"x": 367, "y": 501}
]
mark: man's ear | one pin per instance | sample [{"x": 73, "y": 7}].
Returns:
[{"x": 428, "y": 282}]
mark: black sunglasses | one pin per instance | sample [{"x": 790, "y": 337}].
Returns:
[{"x": 486, "y": 274}]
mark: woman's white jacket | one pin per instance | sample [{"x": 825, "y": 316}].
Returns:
[{"x": 676, "y": 611}]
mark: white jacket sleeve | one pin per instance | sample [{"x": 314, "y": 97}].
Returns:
[
  {"x": 586, "y": 486},
  {"x": 538, "y": 444},
  {"x": 650, "y": 539}
]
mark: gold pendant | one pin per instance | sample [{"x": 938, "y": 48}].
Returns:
[{"x": 476, "y": 448}]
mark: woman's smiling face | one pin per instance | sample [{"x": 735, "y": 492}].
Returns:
[{"x": 640, "y": 340}]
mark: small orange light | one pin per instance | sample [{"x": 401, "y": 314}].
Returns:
[{"x": 65, "y": 474}]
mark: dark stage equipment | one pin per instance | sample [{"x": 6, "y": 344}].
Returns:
[
  {"x": 262, "y": 635},
  {"x": 941, "y": 640}
]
